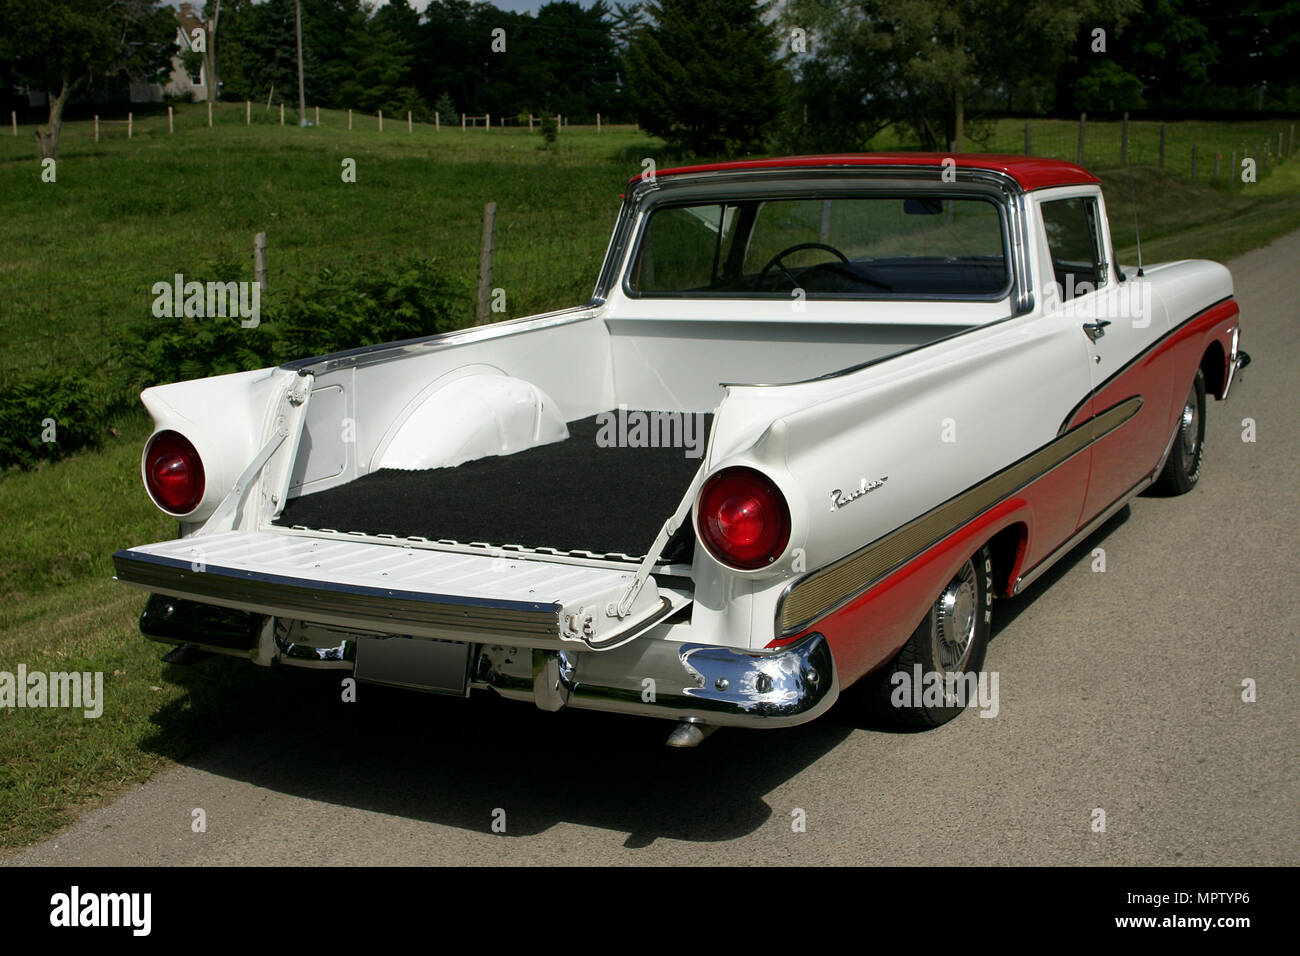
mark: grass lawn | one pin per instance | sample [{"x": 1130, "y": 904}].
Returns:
[{"x": 82, "y": 254}]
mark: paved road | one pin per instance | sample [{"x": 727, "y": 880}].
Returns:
[{"x": 1119, "y": 690}]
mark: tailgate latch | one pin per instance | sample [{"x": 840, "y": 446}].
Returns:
[{"x": 579, "y": 625}]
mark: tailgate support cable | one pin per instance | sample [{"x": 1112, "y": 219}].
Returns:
[
  {"x": 236, "y": 494},
  {"x": 624, "y": 606}
]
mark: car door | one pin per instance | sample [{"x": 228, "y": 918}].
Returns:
[{"x": 1122, "y": 322}]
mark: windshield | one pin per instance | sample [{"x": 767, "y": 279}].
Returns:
[{"x": 828, "y": 247}]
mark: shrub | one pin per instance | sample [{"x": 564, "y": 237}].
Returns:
[
  {"x": 47, "y": 416},
  {"x": 333, "y": 310}
]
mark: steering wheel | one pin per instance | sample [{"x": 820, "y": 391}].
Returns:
[{"x": 775, "y": 261}]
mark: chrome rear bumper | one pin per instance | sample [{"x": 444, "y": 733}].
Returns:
[{"x": 651, "y": 677}]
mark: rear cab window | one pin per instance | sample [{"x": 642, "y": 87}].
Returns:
[{"x": 877, "y": 246}]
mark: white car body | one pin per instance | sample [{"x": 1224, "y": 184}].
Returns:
[{"x": 905, "y": 433}]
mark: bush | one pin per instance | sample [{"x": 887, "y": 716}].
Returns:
[
  {"x": 47, "y": 416},
  {"x": 333, "y": 310}
]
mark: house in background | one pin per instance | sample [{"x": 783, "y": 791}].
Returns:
[{"x": 180, "y": 83}]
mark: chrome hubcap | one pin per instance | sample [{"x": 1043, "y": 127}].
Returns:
[
  {"x": 1190, "y": 427},
  {"x": 954, "y": 617}
]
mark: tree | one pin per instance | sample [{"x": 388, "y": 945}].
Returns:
[
  {"x": 923, "y": 63},
  {"x": 1160, "y": 58},
  {"x": 703, "y": 74},
  {"x": 446, "y": 110},
  {"x": 61, "y": 47}
]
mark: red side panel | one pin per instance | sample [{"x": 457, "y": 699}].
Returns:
[
  {"x": 870, "y": 629},
  {"x": 1162, "y": 377}
]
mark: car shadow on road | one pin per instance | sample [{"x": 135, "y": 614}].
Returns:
[{"x": 455, "y": 762}]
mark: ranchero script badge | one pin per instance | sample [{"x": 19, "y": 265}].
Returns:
[{"x": 839, "y": 499}]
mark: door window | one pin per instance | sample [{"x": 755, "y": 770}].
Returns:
[{"x": 1074, "y": 241}]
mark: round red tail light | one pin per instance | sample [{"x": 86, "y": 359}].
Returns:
[
  {"x": 173, "y": 472},
  {"x": 743, "y": 518}
]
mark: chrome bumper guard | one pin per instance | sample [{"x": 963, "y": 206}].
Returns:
[{"x": 700, "y": 683}]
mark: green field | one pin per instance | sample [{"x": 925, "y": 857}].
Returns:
[{"x": 82, "y": 254}]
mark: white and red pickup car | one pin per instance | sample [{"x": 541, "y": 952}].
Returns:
[{"x": 817, "y": 415}]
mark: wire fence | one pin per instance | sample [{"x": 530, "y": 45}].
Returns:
[
  {"x": 50, "y": 315},
  {"x": 1203, "y": 152}
]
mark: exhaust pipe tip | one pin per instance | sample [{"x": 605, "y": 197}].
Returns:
[{"x": 689, "y": 733}]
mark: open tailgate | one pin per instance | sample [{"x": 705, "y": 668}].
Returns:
[{"x": 401, "y": 588}]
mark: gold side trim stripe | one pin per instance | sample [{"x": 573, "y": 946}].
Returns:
[{"x": 831, "y": 587}]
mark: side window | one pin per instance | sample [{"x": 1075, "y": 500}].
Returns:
[{"x": 1074, "y": 240}]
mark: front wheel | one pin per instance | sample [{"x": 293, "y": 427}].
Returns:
[
  {"x": 928, "y": 682},
  {"x": 1183, "y": 467}
]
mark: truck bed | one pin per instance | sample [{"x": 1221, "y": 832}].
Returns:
[{"x": 571, "y": 495}]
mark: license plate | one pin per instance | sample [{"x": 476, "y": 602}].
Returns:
[{"x": 440, "y": 667}]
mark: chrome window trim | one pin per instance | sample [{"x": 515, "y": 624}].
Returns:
[{"x": 751, "y": 186}]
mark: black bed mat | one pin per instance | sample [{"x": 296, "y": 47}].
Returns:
[{"x": 570, "y": 495}]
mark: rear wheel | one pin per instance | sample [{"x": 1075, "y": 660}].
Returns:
[
  {"x": 951, "y": 640},
  {"x": 1183, "y": 467}
]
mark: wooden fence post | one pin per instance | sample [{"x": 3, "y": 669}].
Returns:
[
  {"x": 259, "y": 259},
  {"x": 96, "y": 127},
  {"x": 130, "y": 123},
  {"x": 248, "y": 112},
  {"x": 1028, "y": 149},
  {"x": 209, "y": 114},
  {"x": 1161, "y": 161},
  {"x": 318, "y": 116},
  {"x": 437, "y": 121},
  {"x": 530, "y": 122},
  {"x": 487, "y": 124},
  {"x": 486, "y": 248},
  {"x": 13, "y": 118},
  {"x": 1123, "y": 142},
  {"x": 170, "y": 128},
  {"x": 349, "y": 119},
  {"x": 1193, "y": 162},
  {"x": 281, "y": 114},
  {"x": 462, "y": 122},
  {"x": 1083, "y": 124},
  {"x": 381, "y": 121},
  {"x": 597, "y": 122},
  {"x": 408, "y": 121}
]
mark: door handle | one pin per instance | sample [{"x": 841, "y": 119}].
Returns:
[{"x": 1095, "y": 330}]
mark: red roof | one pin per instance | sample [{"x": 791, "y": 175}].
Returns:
[{"x": 1031, "y": 172}]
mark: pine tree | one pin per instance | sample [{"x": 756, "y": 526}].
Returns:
[
  {"x": 446, "y": 110},
  {"x": 703, "y": 74}
]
